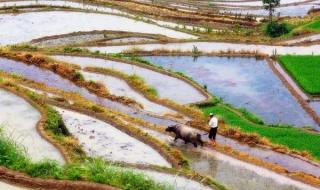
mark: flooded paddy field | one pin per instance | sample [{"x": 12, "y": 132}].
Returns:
[
  {"x": 19, "y": 28},
  {"x": 243, "y": 82},
  {"x": 23, "y": 129},
  {"x": 166, "y": 86},
  {"x": 119, "y": 87},
  {"x": 102, "y": 139}
]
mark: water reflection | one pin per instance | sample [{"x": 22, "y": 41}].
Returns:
[{"x": 243, "y": 82}]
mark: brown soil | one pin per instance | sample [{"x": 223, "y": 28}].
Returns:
[{"x": 48, "y": 184}]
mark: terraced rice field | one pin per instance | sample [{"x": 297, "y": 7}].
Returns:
[{"x": 88, "y": 89}]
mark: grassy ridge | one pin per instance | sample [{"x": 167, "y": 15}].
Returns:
[
  {"x": 94, "y": 170},
  {"x": 315, "y": 25},
  {"x": 292, "y": 138},
  {"x": 305, "y": 70}
]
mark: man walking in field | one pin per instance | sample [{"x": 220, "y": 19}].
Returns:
[{"x": 213, "y": 123}]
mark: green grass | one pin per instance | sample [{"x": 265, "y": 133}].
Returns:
[
  {"x": 314, "y": 25},
  {"x": 94, "y": 170},
  {"x": 55, "y": 123},
  {"x": 305, "y": 70},
  {"x": 293, "y": 138}
]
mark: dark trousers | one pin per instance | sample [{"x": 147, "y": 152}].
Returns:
[{"x": 213, "y": 133}]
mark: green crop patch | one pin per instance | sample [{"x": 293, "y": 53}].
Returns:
[
  {"x": 305, "y": 70},
  {"x": 315, "y": 25}
]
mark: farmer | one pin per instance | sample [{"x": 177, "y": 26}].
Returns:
[{"x": 213, "y": 123}]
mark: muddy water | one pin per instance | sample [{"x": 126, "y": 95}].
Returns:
[
  {"x": 243, "y": 82},
  {"x": 101, "y": 139},
  {"x": 232, "y": 173},
  {"x": 28, "y": 26},
  {"x": 19, "y": 119},
  {"x": 50, "y": 79},
  {"x": 166, "y": 86}
]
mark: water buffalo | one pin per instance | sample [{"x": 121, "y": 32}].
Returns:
[{"x": 186, "y": 134}]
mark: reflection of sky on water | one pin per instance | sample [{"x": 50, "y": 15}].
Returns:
[
  {"x": 243, "y": 82},
  {"x": 316, "y": 106}
]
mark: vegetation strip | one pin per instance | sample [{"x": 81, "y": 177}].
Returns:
[{"x": 27, "y": 181}]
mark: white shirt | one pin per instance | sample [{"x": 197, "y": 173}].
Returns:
[{"x": 213, "y": 123}]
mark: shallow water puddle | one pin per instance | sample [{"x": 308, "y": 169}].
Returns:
[
  {"x": 19, "y": 120},
  {"x": 233, "y": 173},
  {"x": 51, "y": 79},
  {"x": 17, "y": 28},
  {"x": 121, "y": 88},
  {"x": 101, "y": 139},
  {"x": 167, "y": 87},
  {"x": 243, "y": 82}
]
